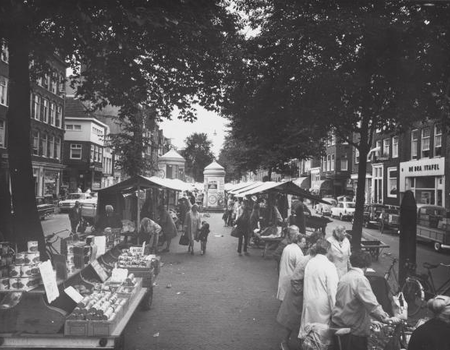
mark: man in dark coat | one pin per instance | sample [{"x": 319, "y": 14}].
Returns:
[
  {"x": 75, "y": 216},
  {"x": 300, "y": 209}
]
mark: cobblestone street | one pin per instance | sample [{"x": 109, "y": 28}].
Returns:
[{"x": 216, "y": 301}]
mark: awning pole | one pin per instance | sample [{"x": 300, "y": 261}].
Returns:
[{"x": 138, "y": 214}]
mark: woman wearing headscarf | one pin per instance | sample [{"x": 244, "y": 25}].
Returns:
[
  {"x": 192, "y": 225},
  {"x": 340, "y": 250},
  {"x": 319, "y": 291},
  {"x": 435, "y": 333},
  {"x": 148, "y": 232}
]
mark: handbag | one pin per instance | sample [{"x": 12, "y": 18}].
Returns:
[
  {"x": 400, "y": 306},
  {"x": 235, "y": 231},
  {"x": 184, "y": 239}
]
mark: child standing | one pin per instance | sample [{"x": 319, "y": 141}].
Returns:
[{"x": 203, "y": 236}]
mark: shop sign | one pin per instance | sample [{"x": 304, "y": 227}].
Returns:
[{"x": 423, "y": 167}]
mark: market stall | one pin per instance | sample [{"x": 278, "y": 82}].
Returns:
[{"x": 84, "y": 300}]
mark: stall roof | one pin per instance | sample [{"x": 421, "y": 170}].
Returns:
[
  {"x": 287, "y": 187},
  {"x": 238, "y": 192},
  {"x": 132, "y": 184},
  {"x": 238, "y": 186}
]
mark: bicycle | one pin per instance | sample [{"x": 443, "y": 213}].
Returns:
[
  {"x": 423, "y": 287},
  {"x": 412, "y": 288}
]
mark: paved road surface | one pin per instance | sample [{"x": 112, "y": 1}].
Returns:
[{"x": 216, "y": 301}]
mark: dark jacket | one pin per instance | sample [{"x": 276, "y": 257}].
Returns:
[{"x": 75, "y": 214}]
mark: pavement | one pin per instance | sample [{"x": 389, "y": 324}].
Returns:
[{"x": 219, "y": 300}]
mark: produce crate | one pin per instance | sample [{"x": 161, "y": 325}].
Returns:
[
  {"x": 105, "y": 327},
  {"x": 78, "y": 328}
]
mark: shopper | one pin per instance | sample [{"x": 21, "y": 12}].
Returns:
[
  {"x": 149, "y": 232},
  {"x": 300, "y": 209},
  {"x": 435, "y": 333},
  {"x": 203, "y": 236},
  {"x": 243, "y": 227},
  {"x": 290, "y": 257},
  {"x": 169, "y": 229},
  {"x": 356, "y": 304},
  {"x": 192, "y": 224},
  {"x": 319, "y": 293},
  {"x": 340, "y": 250},
  {"x": 75, "y": 216}
]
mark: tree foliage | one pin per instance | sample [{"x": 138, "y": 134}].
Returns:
[
  {"x": 351, "y": 68},
  {"x": 198, "y": 155},
  {"x": 159, "y": 54}
]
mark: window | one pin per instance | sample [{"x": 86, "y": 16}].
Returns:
[
  {"x": 414, "y": 141},
  {"x": 69, "y": 126},
  {"x": 392, "y": 174},
  {"x": 51, "y": 147},
  {"x": 2, "y": 133},
  {"x": 58, "y": 120},
  {"x": 44, "y": 146},
  {"x": 426, "y": 133},
  {"x": 77, "y": 127},
  {"x": 36, "y": 106},
  {"x": 386, "y": 147},
  {"x": 35, "y": 134},
  {"x": 45, "y": 110},
  {"x": 344, "y": 164},
  {"x": 437, "y": 140},
  {"x": 395, "y": 147},
  {"x": 4, "y": 56},
  {"x": 3, "y": 91},
  {"x": 92, "y": 153},
  {"x": 52, "y": 113},
  {"x": 75, "y": 151},
  {"x": 356, "y": 156},
  {"x": 61, "y": 87},
  {"x": 58, "y": 148},
  {"x": 46, "y": 81},
  {"x": 54, "y": 82},
  {"x": 332, "y": 162},
  {"x": 328, "y": 162}
]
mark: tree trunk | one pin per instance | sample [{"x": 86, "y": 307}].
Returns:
[
  {"x": 26, "y": 223},
  {"x": 360, "y": 192}
]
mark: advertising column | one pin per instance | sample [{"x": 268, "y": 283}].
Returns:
[{"x": 214, "y": 175}]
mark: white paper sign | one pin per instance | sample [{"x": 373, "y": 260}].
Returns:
[
  {"x": 49, "y": 280},
  {"x": 100, "y": 242},
  {"x": 119, "y": 275},
  {"x": 73, "y": 294}
]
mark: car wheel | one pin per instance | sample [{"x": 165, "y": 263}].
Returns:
[{"x": 437, "y": 246}]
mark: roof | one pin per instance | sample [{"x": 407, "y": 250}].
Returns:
[
  {"x": 172, "y": 155},
  {"x": 133, "y": 183}
]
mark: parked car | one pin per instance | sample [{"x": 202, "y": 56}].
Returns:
[
  {"x": 344, "y": 199},
  {"x": 45, "y": 206},
  {"x": 433, "y": 225},
  {"x": 69, "y": 202},
  {"x": 373, "y": 214},
  {"x": 343, "y": 210},
  {"x": 391, "y": 219},
  {"x": 325, "y": 209}
]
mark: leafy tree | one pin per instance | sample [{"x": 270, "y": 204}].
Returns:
[
  {"x": 198, "y": 155},
  {"x": 352, "y": 68},
  {"x": 158, "y": 53}
]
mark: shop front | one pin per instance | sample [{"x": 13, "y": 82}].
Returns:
[
  {"x": 425, "y": 178},
  {"x": 47, "y": 179}
]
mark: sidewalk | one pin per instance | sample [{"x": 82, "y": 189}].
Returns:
[{"x": 216, "y": 301}]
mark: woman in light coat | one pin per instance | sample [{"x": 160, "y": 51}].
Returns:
[
  {"x": 290, "y": 257},
  {"x": 320, "y": 286},
  {"x": 192, "y": 225},
  {"x": 340, "y": 250}
]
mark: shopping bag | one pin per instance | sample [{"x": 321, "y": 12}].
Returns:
[
  {"x": 184, "y": 239},
  {"x": 318, "y": 337},
  {"x": 400, "y": 306},
  {"x": 235, "y": 232}
]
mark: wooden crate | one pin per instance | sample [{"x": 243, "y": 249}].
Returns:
[{"x": 78, "y": 328}]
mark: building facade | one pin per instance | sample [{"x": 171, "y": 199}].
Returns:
[
  {"x": 47, "y": 125},
  {"x": 85, "y": 153}
]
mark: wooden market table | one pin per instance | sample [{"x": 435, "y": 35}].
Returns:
[{"x": 58, "y": 340}]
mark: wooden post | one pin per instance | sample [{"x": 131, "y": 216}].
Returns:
[{"x": 408, "y": 233}]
